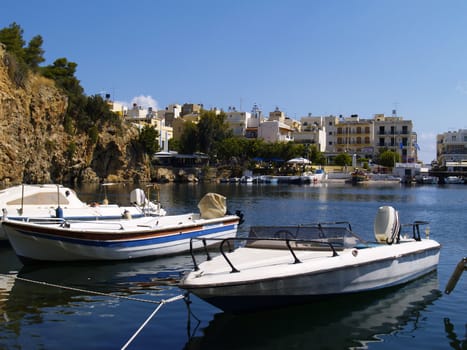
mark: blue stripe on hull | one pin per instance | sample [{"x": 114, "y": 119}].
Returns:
[{"x": 135, "y": 242}]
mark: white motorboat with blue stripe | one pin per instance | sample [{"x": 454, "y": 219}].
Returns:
[
  {"x": 283, "y": 265},
  {"x": 68, "y": 240}
]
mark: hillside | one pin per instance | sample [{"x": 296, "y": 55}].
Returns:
[{"x": 34, "y": 147}]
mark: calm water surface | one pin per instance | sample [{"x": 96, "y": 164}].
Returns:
[{"x": 415, "y": 316}]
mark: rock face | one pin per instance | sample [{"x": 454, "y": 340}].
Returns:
[{"x": 34, "y": 147}]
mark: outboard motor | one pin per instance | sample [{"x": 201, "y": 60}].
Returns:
[
  {"x": 387, "y": 226},
  {"x": 138, "y": 197}
]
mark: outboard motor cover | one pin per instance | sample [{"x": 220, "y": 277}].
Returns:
[{"x": 386, "y": 225}]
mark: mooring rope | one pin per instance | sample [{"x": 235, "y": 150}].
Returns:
[
  {"x": 162, "y": 302},
  {"x": 82, "y": 290},
  {"x": 159, "y": 303}
]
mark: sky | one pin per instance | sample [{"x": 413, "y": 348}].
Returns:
[{"x": 323, "y": 57}]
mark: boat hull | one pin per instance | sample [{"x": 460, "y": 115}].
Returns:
[
  {"x": 131, "y": 240},
  {"x": 285, "y": 283},
  {"x": 49, "y": 201}
]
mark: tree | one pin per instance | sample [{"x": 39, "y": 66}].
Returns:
[
  {"x": 233, "y": 147},
  {"x": 98, "y": 111},
  {"x": 388, "y": 158},
  {"x": 63, "y": 73},
  {"x": 33, "y": 53},
  {"x": 343, "y": 159},
  {"x": 12, "y": 37},
  {"x": 148, "y": 138},
  {"x": 313, "y": 154},
  {"x": 212, "y": 129},
  {"x": 189, "y": 139}
]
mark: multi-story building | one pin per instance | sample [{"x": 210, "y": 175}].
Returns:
[
  {"x": 170, "y": 113},
  {"x": 137, "y": 114},
  {"x": 238, "y": 121},
  {"x": 451, "y": 146},
  {"x": 191, "y": 108},
  {"x": 354, "y": 136},
  {"x": 253, "y": 123},
  {"x": 312, "y": 132},
  {"x": 396, "y": 134},
  {"x": 277, "y": 115},
  {"x": 275, "y": 131}
]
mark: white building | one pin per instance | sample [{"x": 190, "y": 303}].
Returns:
[
  {"x": 139, "y": 114},
  {"x": 451, "y": 146},
  {"x": 275, "y": 131},
  {"x": 238, "y": 121}
]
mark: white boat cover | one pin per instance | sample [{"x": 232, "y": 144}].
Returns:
[{"x": 212, "y": 205}]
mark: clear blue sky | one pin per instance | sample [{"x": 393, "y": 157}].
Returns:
[{"x": 312, "y": 56}]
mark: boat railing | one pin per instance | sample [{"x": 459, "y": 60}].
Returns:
[
  {"x": 416, "y": 229},
  {"x": 42, "y": 220},
  {"x": 226, "y": 244},
  {"x": 66, "y": 223}
]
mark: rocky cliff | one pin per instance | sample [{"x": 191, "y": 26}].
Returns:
[{"x": 34, "y": 147}]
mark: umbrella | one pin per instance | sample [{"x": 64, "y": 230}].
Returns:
[{"x": 299, "y": 160}]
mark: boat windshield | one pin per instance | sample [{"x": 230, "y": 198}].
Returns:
[{"x": 338, "y": 234}]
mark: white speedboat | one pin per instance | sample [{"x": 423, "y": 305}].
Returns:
[
  {"x": 293, "y": 264},
  {"x": 454, "y": 180},
  {"x": 123, "y": 239},
  {"x": 30, "y": 202}
]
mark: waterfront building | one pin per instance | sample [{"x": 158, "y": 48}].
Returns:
[
  {"x": 312, "y": 132},
  {"x": 451, "y": 146},
  {"x": 237, "y": 121},
  {"x": 275, "y": 131},
  {"x": 396, "y": 134},
  {"x": 253, "y": 123},
  {"x": 354, "y": 136},
  {"x": 165, "y": 133}
]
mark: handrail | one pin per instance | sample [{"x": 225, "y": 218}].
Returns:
[
  {"x": 233, "y": 239},
  {"x": 67, "y": 223},
  {"x": 416, "y": 228}
]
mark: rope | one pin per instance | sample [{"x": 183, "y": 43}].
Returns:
[
  {"x": 81, "y": 290},
  {"x": 162, "y": 302}
]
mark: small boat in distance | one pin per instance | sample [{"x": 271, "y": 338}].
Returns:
[
  {"x": 125, "y": 239},
  {"x": 46, "y": 201},
  {"x": 282, "y": 265}
]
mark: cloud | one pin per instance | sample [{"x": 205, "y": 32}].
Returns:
[
  {"x": 461, "y": 87},
  {"x": 145, "y": 102}
]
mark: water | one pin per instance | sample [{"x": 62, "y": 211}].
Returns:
[{"x": 415, "y": 316}]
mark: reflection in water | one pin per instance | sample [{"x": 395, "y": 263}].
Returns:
[
  {"x": 24, "y": 303},
  {"x": 41, "y": 317},
  {"x": 452, "y": 336},
  {"x": 334, "y": 324}
]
